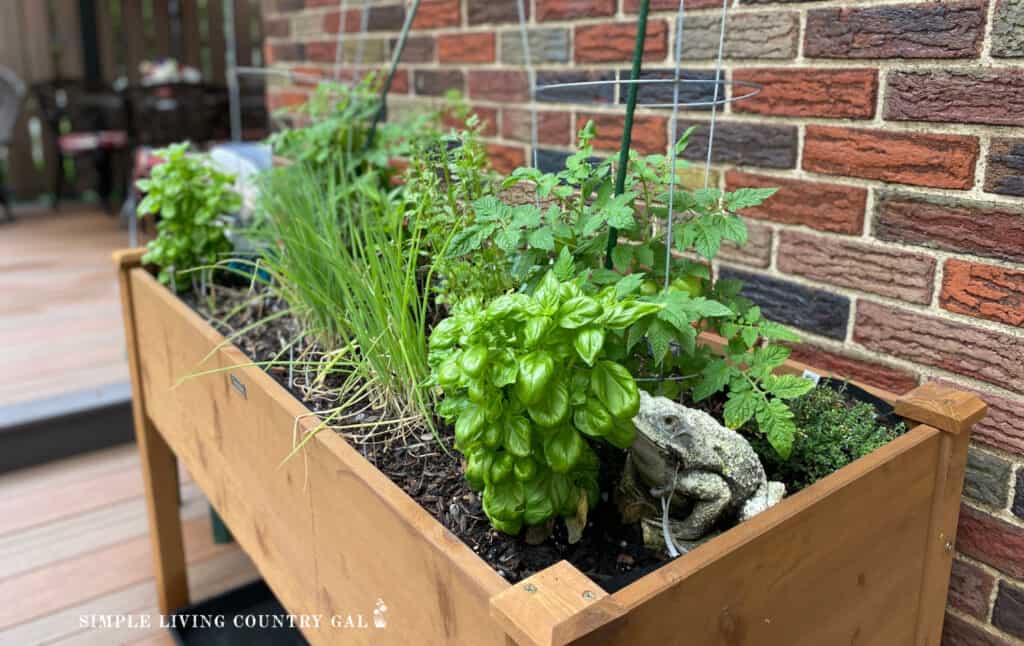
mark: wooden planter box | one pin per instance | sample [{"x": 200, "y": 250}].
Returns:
[{"x": 861, "y": 557}]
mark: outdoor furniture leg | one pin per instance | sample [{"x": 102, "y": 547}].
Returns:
[
  {"x": 58, "y": 180},
  {"x": 159, "y": 471}
]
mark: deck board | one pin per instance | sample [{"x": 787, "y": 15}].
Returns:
[
  {"x": 60, "y": 314},
  {"x": 74, "y": 542}
]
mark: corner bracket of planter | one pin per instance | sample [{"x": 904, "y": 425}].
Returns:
[
  {"x": 942, "y": 407},
  {"x": 128, "y": 258},
  {"x": 554, "y": 607}
]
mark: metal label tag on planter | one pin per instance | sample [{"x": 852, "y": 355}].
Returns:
[
  {"x": 813, "y": 376},
  {"x": 238, "y": 385}
]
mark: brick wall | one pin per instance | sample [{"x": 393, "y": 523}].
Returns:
[{"x": 896, "y": 241}]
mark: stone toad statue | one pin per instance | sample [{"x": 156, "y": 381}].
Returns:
[{"x": 709, "y": 471}]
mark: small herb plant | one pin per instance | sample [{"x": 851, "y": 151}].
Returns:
[
  {"x": 578, "y": 223},
  {"x": 831, "y": 433},
  {"x": 190, "y": 196},
  {"x": 528, "y": 385}
]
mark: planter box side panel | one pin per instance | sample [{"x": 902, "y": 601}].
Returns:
[
  {"x": 841, "y": 562},
  {"x": 230, "y": 443},
  {"x": 325, "y": 529}
]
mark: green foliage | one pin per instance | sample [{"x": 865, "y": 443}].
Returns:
[
  {"x": 445, "y": 179},
  {"x": 831, "y": 433},
  {"x": 330, "y": 130},
  {"x": 340, "y": 254},
  {"x": 190, "y": 196},
  {"x": 574, "y": 229},
  {"x": 528, "y": 384}
]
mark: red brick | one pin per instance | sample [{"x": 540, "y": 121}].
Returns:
[
  {"x": 986, "y": 355},
  {"x": 1003, "y": 427},
  {"x": 927, "y": 30},
  {"x": 614, "y": 42},
  {"x": 321, "y": 51},
  {"x": 869, "y": 268},
  {"x": 400, "y": 84},
  {"x": 965, "y": 96},
  {"x": 973, "y": 227},
  {"x": 499, "y": 85},
  {"x": 970, "y": 589},
  {"x": 321, "y": 3},
  {"x": 941, "y": 161},
  {"x": 869, "y": 372},
  {"x": 757, "y": 252},
  {"x": 287, "y": 99},
  {"x": 633, "y": 6},
  {"x": 506, "y": 159},
  {"x": 992, "y": 541},
  {"x": 488, "y": 120},
  {"x": 959, "y": 632},
  {"x": 650, "y": 133},
  {"x": 434, "y": 14},
  {"x": 553, "y": 127},
  {"x": 826, "y": 207},
  {"x": 793, "y": 92},
  {"x": 984, "y": 291},
  {"x": 571, "y": 9},
  {"x": 466, "y": 48}
]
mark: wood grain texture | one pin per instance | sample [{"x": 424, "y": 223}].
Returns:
[{"x": 942, "y": 406}]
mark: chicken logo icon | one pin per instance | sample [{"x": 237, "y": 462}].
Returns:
[{"x": 379, "y": 612}]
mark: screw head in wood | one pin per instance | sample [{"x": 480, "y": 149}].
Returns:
[
  {"x": 529, "y": 587},
  {"x": 588, "y": 595}
]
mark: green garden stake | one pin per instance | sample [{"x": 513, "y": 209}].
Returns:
[
  {"x": 382, "y": 112},
  {"x": 627, "y": 126}
]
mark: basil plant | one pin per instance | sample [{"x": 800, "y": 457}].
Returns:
[{"x": 529, "y": 388}]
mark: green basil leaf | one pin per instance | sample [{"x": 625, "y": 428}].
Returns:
[
  {"x": 577, "y": 312},
  {"x": 525, "y": 469},
  {"x": 563, "y": 449},
  {"x": 535, "y": 372},
  {"x": 536, "y": 328},
  {"x": 501, "y": 468},
  {"x": 621, "y": 434},
  {"x": 588, "y": 342},
  {"x": 616, "y": 389},
  {"x": 539, "y": 505},
  {"x": 593, "y": 419},
  {"x": 552, "y": 406},
  {"x": 517, "y": 440},
  {"x": 469, "y": 426},
  {"x": 474, "y": 360}
]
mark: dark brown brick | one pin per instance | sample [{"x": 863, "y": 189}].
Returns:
[
  {"x": 940, "y": 161},
  {"x": 633, "y": 6},
  {"x": 1008, "y": 29},
  {"x": 1018, "y": 500},
  {"x": 437, "y": 82},
  {"x": 984, "y": 291},
  {"x": 869, "y": 372},
  {"x": 418, "y": 49},
  {"x": 958, "y": 632},
  {"x": 1005, "y": 169},
  {"x": 499, "y": 85},
  {"x": 466, "y": 47},
  {"x": 794, "y": 92},
  {"x": 980, "y": 228},
  {"x": 826, "y": 207},
  {"x": 489, "y": 11},
  {"x": 930, "y": 30},
  {"x": 279, "y": 52},
  {"x": 649, "y": 136},
  {"x": 1008, "y": 612},
  {"x": 321, "y": 51},
  {"x": 553, "y": 127},
  {"x": 987, "y": 479},
  {"x": 571, "y": 9},
  {"x": 970, "y": 589},
  {"x": 277, "y": 27},
  {"x": 868, "y": 268},
  {"x": 974, "y": 96},
  {"x": 990, "y": 540},
  {"x": 964, "y": 349},
  {"x": 614, "y": 42},
  {"x": 807, "y": 308},
  {"x": 752, "y": 144}
]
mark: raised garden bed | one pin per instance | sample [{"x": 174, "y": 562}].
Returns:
[{"x": 862, "y": 556}]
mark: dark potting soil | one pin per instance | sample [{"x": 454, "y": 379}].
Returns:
[{"x": 610, "y": 553}]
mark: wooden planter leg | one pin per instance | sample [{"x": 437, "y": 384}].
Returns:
[
  {"x": 159, "y": 470},
  {"x": 953, "y": 412}
]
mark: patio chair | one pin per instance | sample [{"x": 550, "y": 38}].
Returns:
[
  {"x": 87, "y": 121},
  {"x": 12, "y": 91}
]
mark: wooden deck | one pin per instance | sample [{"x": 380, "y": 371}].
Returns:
[
  {"x": 60, "y": 316},
  {"x": 74, "y": 544}
]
